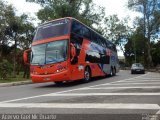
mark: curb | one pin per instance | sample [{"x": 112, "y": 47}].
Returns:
[
  {"x": 15, "y": 83},
  {"x": 156, "y": 71}
]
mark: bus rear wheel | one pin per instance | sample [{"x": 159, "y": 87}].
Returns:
[
  {"x": 112, "y": 72},
  {"x": 87, "y": 75}
]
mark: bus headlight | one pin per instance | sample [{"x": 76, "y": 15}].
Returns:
[
  {"x": 60, "y": 69},
  {"x": 35, "y": 73}
]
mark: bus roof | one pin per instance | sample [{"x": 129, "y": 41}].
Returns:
[{"x": 71, "y": 18}]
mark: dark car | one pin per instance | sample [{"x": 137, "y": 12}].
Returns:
[{"x": 137, "y": 68}]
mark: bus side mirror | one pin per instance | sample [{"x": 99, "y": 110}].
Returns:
[
  {"x": 73, "y": 51},
  {"x": 25, "y": 57}
]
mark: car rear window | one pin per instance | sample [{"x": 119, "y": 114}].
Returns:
[{"x": 137, "y": 65}]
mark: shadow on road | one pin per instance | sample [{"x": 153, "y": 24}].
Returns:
[{"x": 71, "y": 83}]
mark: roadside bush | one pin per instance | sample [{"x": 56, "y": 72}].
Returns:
[{"x": 5, "y": 69}]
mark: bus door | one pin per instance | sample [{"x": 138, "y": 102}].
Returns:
[{"x": 76, "y": 68}]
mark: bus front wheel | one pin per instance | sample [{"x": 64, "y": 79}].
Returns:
[
  {"x": 58, "y": 82},
  {"x": 87, "y": 74}
]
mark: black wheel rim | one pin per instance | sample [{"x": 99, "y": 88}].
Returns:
[
  {"x": 111, "y": 73},
  {"x": 87, "y": 75}
]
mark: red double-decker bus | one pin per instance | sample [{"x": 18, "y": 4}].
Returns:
[{"x": 65, "y": 50}]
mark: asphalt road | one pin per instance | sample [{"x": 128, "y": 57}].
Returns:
[{"x": 122, "y": 97}]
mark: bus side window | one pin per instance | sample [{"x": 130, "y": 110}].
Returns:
[
  {"x": 77, "y": 28},
  {"x": 77, "y": 42},
  {"x": 99, "y": 40},
  {"x": 103, "y": 43},
  {"x": 107, "y": 44},
  {"x": 110, "y": 46},
  {"x": 86, "y": 33},
  {"x": 114, "y": 46},
  {"x": 94, "y": 38}
]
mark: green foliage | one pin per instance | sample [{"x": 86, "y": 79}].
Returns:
[
  {"x": 156, "y": 53},
  {"x": 117, "y": 30},
  {"x": 149, "y": 23},
  {"x": 18, "y": 29},
  {"x": 5, "y": 12},
  {"x": 15, "y": 32},
  {"x": 83, "y": 10},
  {"x": 135, "y": 48},
  {"x": 5, "y": 69}
]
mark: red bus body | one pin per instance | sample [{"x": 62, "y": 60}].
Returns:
[{"x": 43, "y": 67}]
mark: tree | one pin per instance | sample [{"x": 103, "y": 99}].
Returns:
[
  {"x": 117, "y": 30},
  {"x": 5, "y": 69},
  {"x": 27, "y": 29},
  {"x": 84, "y": 10},
  {"x": 135, "y": 49},
  {"x": 149, "y": 10},
  {"x": 6, "y": 11},
  {"x": 16, "y": 33},
  {"x": 155, "y": 52},
  {"x": 13, "y": 32}
]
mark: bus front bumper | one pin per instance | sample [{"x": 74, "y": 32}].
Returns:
[{"x": 61, "y": 76}]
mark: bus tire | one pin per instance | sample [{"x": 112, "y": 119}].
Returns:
[
  {"x": 58, "y": 82},
  {"x": 87, "y": 74},
  {"x": 111, "y": 72},
  {"x": 114, "y": 71}
]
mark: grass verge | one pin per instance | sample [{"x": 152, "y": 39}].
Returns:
[{"x": 10, "y": 79}]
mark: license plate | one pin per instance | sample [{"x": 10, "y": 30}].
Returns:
[{"x": 46, "y": 79}]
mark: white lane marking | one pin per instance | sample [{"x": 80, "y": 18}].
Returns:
[
  {"x": 105, "y": 94},
  {"x": 82, "y": 105},
  {"x": 152, "y": 78},
  {"x": 143, "y": 87},
  {"x": 143, "y": 81},
  {"x": 117, "y": 81},
  {"x": 25, "y": 98},
  {"x": 156, "y": 116},
  {"x": 125, "y": 83},
  {"x": 158, "y": 112}
]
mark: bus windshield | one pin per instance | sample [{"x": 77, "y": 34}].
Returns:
[
  {"x": 52, "y": 29},
  {"x": 49, "y": 53}
]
